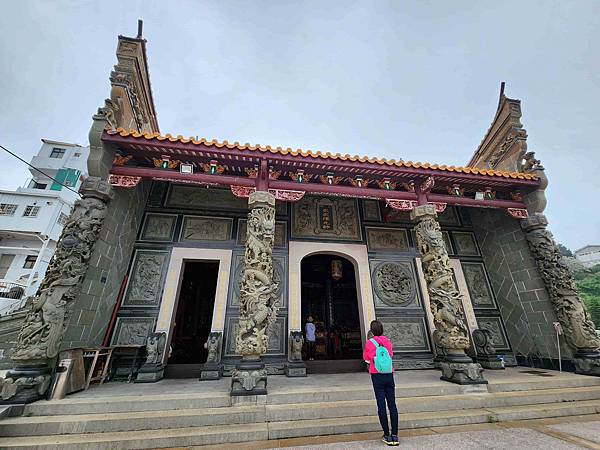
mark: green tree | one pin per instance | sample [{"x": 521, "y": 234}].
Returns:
[
  {"x": 564, "y": 250},
  {"x": 588, "y": 283}
]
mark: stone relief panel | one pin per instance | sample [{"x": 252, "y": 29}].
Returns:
[
  {"x": 145, "y": 281},
  {"x": 205, "y": 229},
  {"x": 326, "y": 217},
  {"x": 157, "y": 193},
  {"x": 478, "y": 285},
  {"x": 394, "y": 284},
  {"x": 371, "y": 210},
  {"x": 401, "y": 216},
  {"x": 278, "y": 277},
  {"x": 391, "y": 239},
  {"x": 408, "y": 334},
  {"x": 494, "y": 325},
  {"x": 181, "y": 196},
  {"x": 466, "y": 245},
  {"x": 277, "y": 338},
  {"x": 132, "y": 330},
  {"x": 159, "y": 227},
  {"x": 280, "y": 233}
]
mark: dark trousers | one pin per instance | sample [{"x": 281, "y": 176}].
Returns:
[
  {"x": 310, "y": 349},
  {"x": 385, "y": 391}
]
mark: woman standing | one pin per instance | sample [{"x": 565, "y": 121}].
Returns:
[{"x": 378, "y": 355}]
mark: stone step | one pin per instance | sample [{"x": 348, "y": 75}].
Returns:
[
  {"x": 316, "y": 427},
  {"x": 126, "y": 403},
  {"x": 304, "y": 411},
  {"x": 163, "y": 438},
  {"x": 130, "y": 421},
  {"x": 553, "y": 382},
  {"x": 205, "y": 435}
]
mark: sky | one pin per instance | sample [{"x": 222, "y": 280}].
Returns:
[{"x": 417, "y": 80}]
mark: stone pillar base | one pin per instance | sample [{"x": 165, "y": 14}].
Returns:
[
  {"x": 211, "y": 372},
  {"x": 461, "y": 370},
  {"x": 249, "y": 378},
  {"x": 25, "y": 384},
  {"x": 295, "y": 369},
  {"x": 491, "y": 362},
  {"x": 587, "y": 363},
  {"x": 150, "y": 373}
]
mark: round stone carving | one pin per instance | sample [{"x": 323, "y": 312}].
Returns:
[{"x": 394, "y": 284}]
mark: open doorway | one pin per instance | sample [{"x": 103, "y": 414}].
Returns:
[
  {"x": 329, "y": 296},
  {"x": 193, "y": 318}
]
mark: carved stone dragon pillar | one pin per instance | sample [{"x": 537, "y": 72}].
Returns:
[
  {"x": 451, "y": 333},
  {"x": 579, "y": 330},
  {"x": 258, "y": 301},
  {"x": 42, "y": 331}
]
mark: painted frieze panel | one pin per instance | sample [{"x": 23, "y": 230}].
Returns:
[
  {"x": 408, "y": 334},
  {"x": 145, "y": 281},
  {"x": 278, "y": 277},
  {"x": 448, "y": 217},
  {"x": 478, "y": 285},
  {"x": 371, "y": 210},
  {"x": 466, "y": 245},
  {"x": 181, "y": 196},
  {"x": 326, "y": 218},
  {"x": 387, "y": 239},
  {"x": 280, "y": 233},
  {"x": 132, "y": 330},
  {"x": 205, "y": 229},
  {"x": 157, "y": 193},
  {"x": 277, "y": 337},
  {"x": 159, "y": 227},
  {"x": 394, "y": 284},
  {"x": 494, "y": 325}
]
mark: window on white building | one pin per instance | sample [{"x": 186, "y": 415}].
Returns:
[
  {"x": 7, "y": 209},
  {"x": 62, "y": 219},
  {"x": 77, "y": 155},
  {"x": 37, "y": 185},
  {"x": 57, "y": 153},
  {"x": 29, "y": 262},
  {"x": 31, "y": 211}
]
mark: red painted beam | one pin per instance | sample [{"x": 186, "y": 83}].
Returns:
[
  {"x": 325, "y": 189},
  {"x": 150, "y": 173}
]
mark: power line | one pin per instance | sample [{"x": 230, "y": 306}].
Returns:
[{"x": 40, "y": 171}]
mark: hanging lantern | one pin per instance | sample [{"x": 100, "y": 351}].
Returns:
[{"x": 336, "y": 269}]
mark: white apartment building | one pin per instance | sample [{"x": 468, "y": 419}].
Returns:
[
  {"x": 589, "y": 255},
  {"x": 33, "y": 216}
]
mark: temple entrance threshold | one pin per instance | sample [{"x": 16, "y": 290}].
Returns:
[
  {"x": 329, "y": 295},
  {"x": 193, "y": 319}
]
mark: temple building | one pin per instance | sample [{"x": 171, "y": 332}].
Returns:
[{"x": 213, "y": 254}]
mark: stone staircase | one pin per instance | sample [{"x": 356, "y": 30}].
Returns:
[{"x": 201, "y": 418}]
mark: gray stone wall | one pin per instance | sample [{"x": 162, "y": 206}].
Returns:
[
  {"x": 520, "y": 292},
  {"x": 110, "y": 259}
]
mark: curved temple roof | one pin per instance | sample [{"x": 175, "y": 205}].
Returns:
[{"x": 310, "y": 154}]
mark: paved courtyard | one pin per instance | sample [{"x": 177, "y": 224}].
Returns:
[{"x": 580, "y": 432}]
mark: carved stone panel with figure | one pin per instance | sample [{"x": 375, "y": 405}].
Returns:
[
  {"x": 276, "y": 342},
  {"x": 326, "y": 218},
  {"x": 145, "y": 280},
  {"x": 494, "y": 325},
  {"x": 478, "y": 285},
  {"x": 159, "y": 227},
  {"x": 205, "y": 229},
  {"x": 132, "y": 330},
  {"x": 408, "y": 334},
  {"x": 387, "y": 239}
]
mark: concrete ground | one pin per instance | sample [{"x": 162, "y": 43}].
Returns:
[{"x": 579, "y": 432}]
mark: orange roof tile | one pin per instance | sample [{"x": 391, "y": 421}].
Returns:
[{"x": 318, "y": 154}]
